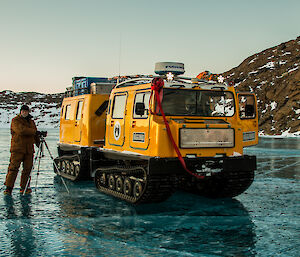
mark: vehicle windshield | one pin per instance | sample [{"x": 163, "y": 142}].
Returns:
[{"x": 183, "y": 102}]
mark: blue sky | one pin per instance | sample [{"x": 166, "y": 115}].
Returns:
[{"x": 43, "y": 44}]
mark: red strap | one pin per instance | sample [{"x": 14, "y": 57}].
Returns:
[{"x": 156, "y": 86}]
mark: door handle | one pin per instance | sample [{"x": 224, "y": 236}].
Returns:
[
  {"x": 112, "y": 123},
  {"x": 133, "y": 124}
]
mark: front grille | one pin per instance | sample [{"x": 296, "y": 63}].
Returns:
[{"x": 203, "y": 138}]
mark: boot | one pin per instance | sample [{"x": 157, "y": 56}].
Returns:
[
  {"x": 8, "y": 191},
  {"x": 28, "y": 191}
]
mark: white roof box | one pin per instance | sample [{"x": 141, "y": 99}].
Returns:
[{"x": 162, "y": 68}]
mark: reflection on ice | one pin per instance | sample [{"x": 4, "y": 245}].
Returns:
[
  {"x": 261, "y": 222},
  {"x": 277, "y": 157},
  {"x": 183, "y": 224}
]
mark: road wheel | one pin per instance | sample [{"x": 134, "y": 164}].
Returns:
[
  {"x": 67, "y": 167},
  {"x": 111, "y": 182},
  {"x": 119, "y": 184},
  {"x": 72, "y": 169},
  {"x": 127, "y": 186},
  {"x": 137, "y": 189},
  {"x": 76, "y": 170},
  {"x": 63, "y": 166}
]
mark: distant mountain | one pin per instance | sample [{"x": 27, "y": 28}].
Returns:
[
  {"x": 45, "y": 108},
  {"x": 274, "y": 76}
]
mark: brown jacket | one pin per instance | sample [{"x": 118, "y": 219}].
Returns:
[{"x": 23, "y": 133}]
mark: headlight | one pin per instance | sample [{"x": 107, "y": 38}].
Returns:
[{"x": 248, "y": 136}]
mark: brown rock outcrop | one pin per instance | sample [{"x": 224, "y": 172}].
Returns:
[{"x": 274, "y": 75}]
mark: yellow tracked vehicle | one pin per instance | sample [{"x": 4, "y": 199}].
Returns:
[{"x": 143, "y": 138}]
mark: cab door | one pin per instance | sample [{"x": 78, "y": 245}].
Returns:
[
  {"x": 116, "y": 121},
  {"x": 248, "y": 117},
  {"x": 139, "y": 124},
  {"x": 78, "y": 120}
]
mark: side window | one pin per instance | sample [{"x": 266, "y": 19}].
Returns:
[
  {"x": 140, "y": 99},
  {"x": 118, "y": 109},
  {"x": 247, "y": 106},
  {"x": 68, "y": 112},
  {"x": 79, "y": 110}
]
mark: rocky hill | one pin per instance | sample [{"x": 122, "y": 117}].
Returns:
[
  {"x": 274, "y": 75},
  {"x": 45, "y": 108}
]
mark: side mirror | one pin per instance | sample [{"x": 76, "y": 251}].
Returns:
[
  {"x": 249, "y": 110},
  {"x": 140, "y": 109}
]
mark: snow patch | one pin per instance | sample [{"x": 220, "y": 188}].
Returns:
[
  {"x": 286, "y": 133},
  {"x": 293, "y": 69},
  {"x": 282, "y": 62},
  {"x": 253, "y": 60},
  {"x": 273, "y": 105},
  {"x": 269, "y": 65},
  {"x": 252, "y": 72}
]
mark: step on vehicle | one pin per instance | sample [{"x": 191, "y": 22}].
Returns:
[{"x": 143, "y": 137}]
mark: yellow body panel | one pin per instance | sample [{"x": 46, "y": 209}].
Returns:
[
  {"x": 249, "y": 125},
  {"x": 126, "y": 133},
  {"x": 149, "y": 137},
  {"x": 82, "y": 128}
]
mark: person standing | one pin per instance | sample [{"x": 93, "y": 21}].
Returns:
[{"x": 23, "y": 138}]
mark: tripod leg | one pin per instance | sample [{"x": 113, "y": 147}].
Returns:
[
  {"x": 35, "y": 159},
  {"x": 56, "y": 167},
  {"x": 38, "y": 170}
]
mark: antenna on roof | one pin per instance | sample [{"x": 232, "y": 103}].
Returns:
[{"x": 120, "y": 48}]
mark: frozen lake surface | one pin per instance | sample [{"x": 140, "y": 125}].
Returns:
[{"x": 264, "y": 221}]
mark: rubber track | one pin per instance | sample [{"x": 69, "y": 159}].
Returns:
[
  {"x": 156, "y": 188},
  {"x": 83, "y": 167}
]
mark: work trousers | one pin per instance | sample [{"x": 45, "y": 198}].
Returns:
[{"x": 15, "y": 161}]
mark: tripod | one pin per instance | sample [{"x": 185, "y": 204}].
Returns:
[{"x": 39, "y": 155}]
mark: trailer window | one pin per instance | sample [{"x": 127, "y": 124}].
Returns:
[
  {"x": 142, "y": 98},
  {"x": 68, "y": 112},
  {"x": 79, "y": 110},
  {"x": 119, "y": 106}
]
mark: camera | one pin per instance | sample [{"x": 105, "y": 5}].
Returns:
[{"x": 41, "y": 133}]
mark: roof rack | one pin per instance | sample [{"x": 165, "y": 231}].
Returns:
[
  {"x": 134, "y": 81},
  {"x": 123, "y": 84}
]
